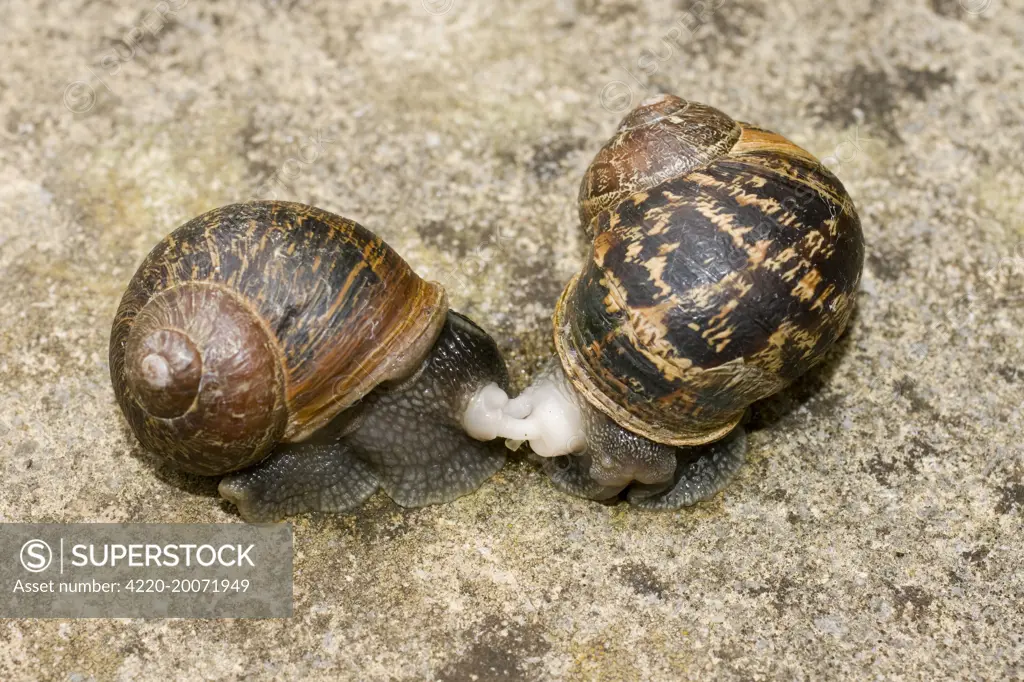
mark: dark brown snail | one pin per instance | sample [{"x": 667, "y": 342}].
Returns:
[
  {"x": 725, "y": 263},
  {"x": 297, "y": 352}
]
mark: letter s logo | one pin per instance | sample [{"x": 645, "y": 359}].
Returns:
[{"x": 36, "y": 556}]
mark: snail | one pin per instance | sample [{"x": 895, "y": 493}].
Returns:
[
  {"x": 294, "y": 353},
  {"x": 724, "y": 264}
]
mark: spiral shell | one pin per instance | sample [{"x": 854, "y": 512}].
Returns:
[
  {"x": 259, "y": 323},
  {"x": 725, "y": 263}
]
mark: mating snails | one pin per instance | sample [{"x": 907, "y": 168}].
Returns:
[
  {"x": 296, "y": 352},
  {"x": 725, "y": 263}
]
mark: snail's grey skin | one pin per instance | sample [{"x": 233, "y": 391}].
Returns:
[
  {"x": 406, "y": 439},
  {"x": 611, "y": 459},
  {"x": 698, "y": 472}
]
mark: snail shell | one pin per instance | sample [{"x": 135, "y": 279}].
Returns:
[
  {"x": 258, "y": 323},
  {"x": 725, "y": 262}
]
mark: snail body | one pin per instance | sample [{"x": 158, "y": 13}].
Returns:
[
  {"x": 262, "y": 340},
  {"x": 725, "y": 262}
]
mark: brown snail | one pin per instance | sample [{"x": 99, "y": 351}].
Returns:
[
  {"x": 294, "y": 351},
  {"x": 725, "y": 263}
]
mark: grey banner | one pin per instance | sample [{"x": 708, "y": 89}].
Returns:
[{"x": 124, "y": 570}]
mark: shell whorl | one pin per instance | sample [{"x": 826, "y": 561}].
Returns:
[
  {"x": 713, "y": 281},
  {"x": 663, "y": 138},
  {"x": 259, "y": 323},
  {"x": 166, "y": 368},
  {"x": 200, "y": 379}
]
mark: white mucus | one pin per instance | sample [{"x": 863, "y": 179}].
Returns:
[{"x": 545, "y": 414}]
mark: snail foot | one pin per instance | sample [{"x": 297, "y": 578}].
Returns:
[
  {"x": 300, "y": 477},
  {"x": 700, "y": 473}
]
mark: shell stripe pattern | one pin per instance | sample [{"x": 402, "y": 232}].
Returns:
[
  {"x": 345, "y": 310},
  {"x": 712, "y": 290}
]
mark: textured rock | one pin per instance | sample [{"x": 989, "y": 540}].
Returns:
[{"x": 876, "y": 530}]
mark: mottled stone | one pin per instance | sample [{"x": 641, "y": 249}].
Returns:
[{"x": 876, "y": 529}]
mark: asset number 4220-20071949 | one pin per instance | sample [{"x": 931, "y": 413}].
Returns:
[{"x": 186, "y": 585}]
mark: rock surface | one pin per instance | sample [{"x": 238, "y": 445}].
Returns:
[{"x": 876, "y": 530}]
